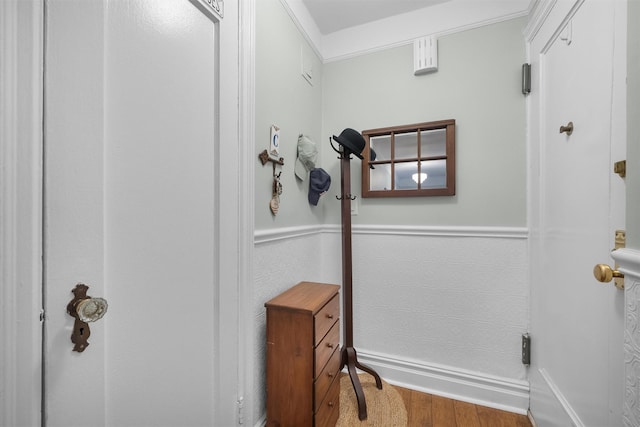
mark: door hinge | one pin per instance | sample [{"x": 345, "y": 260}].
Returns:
[
  {"x": 241, "y": 410},
  {"x": 526, "y": 79},
  {"x": 526, "y": 349},
  {"x": 42, "y": 315}
]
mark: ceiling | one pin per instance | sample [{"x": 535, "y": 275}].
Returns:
[{"x": 334, "y": 15}]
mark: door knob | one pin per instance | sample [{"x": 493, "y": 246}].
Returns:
[
  {"x": 604, "y": 273},
  {"x": 91, "y": 309},
  {"x": 84, "y": 309}
]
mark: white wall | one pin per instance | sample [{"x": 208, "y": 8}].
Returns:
[
  {"x": 442, "y": 311},
  {"x": 281, "y": 261}
]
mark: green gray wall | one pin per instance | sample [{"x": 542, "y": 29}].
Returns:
[
  {"x": 285, "y": 99},
  {"x": 478, "y": 83},
  {"x": 633, "y": 126}
]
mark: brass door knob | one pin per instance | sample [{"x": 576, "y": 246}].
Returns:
[{"x": 604, "y": 273}]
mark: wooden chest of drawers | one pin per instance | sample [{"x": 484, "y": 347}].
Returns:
[{"x": 303, "y": 356}]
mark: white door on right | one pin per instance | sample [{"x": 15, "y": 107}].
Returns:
[{"x": 576, "y": 373}]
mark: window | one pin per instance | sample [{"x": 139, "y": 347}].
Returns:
[{"x": 410, "y": 160}]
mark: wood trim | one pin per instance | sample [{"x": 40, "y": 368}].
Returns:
[
  {"x": 450, "y": 188},
  {"x": 408, "y": 128}
]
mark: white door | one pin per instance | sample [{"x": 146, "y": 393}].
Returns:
[
  {"x": 576, "y": 322},
  {"x": 132, "y": 210}
]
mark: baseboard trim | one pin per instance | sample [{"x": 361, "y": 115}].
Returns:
[
  {"x": 480, "y": 389},
  {"x": 564, "y": 403},
  {"x": 446, "y": 381}
]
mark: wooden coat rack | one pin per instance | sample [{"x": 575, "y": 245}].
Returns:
[{"x": 349, "y": 355}]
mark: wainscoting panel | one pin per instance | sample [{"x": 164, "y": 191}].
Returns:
[
  {"x": 282, "y": 258},
  {"x": 629, "y": 261},
  {"x": 454, "y": 300},
  {"x": 435, "y": 309}
]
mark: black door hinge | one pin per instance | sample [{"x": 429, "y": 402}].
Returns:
[{"x": 526, "y": 349}]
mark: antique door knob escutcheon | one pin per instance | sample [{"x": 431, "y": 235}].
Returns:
[{"x": 84, "y": 309}]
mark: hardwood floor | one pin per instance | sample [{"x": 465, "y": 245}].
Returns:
[{"x": 426, "y": 410}]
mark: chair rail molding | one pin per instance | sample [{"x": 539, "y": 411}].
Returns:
[
  {"x": 629, "y": 265},
  {"x": 275, "y": 234}
]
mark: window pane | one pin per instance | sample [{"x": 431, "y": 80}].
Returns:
[
  {"x": 411, "y": 160},
  {"x": 406, "y": 145},
  {"x": 436, "y": 171},
  {"x": 433, "y": 143},
  {"x": 380, "y": 177},
  {"x": 382, "y": 146},
  {"x": 406, "y": 176}
]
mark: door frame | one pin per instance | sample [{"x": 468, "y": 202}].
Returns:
[
  {"x": 21, "y": 194},
  {"x": 546, "y": 19},
  {"x": 21, "y": 46}
]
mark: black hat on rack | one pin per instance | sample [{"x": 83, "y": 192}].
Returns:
[{"x": 351, "y": 140}]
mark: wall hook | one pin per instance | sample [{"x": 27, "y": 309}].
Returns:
[
  {"x": 264, "y": 158},
  {"x": 568, "y": 129},
  {"x": 340, "y": 152}
]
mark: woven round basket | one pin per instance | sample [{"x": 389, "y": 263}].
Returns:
[{"x": 385, "y": 408}]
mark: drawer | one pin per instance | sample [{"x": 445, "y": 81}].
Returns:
[
  {"x": 326, "y": 317},
  {"x": 326, "y": 377},
  {"x": 329, "y": 411},
  {"x": 325, "y": 349}
]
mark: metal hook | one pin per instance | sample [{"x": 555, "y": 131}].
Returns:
[
  {"x": 341, "y": 153},
  {"x": 264, "y": 158},
  {"x": 274, "y": 171},
  {"x": 334, "y": 147},
  {"x": 568, "y": 129},
  {"x": 348, "y": 196}
]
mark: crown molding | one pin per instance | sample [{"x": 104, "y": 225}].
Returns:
[
  {"x": 539, "y": 12},
  {"x": 305, "y": 24},
  {"x": 439, "y": 20}
]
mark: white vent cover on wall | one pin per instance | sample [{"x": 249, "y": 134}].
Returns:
[{"x": 425, "y": 55}]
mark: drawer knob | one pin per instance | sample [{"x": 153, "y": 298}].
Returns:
[
  {"x": 330, "y": 404},
  {"x": 329, "y": 316},
  {"x": 330, "y": 374},
  {"x": 329, "y": 345}
]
